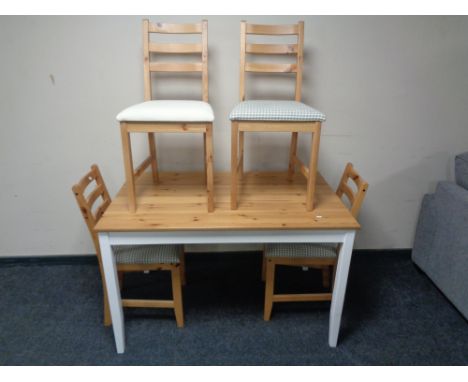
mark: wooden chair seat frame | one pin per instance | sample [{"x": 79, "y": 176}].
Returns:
[
  {"x": 324, "y": 263},
  {"x": 205, "y": 128},
  {"x": 238, "y": 128},
  {"x": 86, "y": 205}
]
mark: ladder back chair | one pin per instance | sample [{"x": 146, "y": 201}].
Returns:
[
  {"x": 274, "y": 115},
  {"x": 130, "y": 258},
  {"x": 169, "y": 116},
  {"x": 322, "y": 256}
]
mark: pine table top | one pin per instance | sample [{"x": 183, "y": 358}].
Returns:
[{"x": 267, "y": 201}]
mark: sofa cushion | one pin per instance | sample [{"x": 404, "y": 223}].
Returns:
[{"x": 461, "y": 170}]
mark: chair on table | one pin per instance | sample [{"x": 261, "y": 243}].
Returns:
[
  {"x": 323, "y": 256},
  {"x": 272, "y": 115},
  {"x": 169, "y": 116},
  {"x": 130, "y": 258}
]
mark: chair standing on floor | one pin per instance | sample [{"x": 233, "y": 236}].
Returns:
[
  {"x": 274, "y": 116},
  {"x": 130, "y": 258},
  {"x": 322, "y": 256},
  {"x": 169, "y": 116}
]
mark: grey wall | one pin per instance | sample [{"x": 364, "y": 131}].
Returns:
[{"x": 395, "y": 90}]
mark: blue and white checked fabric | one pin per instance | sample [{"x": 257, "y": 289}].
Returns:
[
  {"x": 301, "y": 250},
  {"x": 270, "y": 110},
  {"x": 147, "y": 254}
]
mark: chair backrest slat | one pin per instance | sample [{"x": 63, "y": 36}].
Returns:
[
  {"x": 345, "y": 189},
  {"x": 272, "y": 49},
  {"x": 101, "y": 209},
  {"x": 175, "y": 28},
  {"x": 355, "y": 176},
  {"x": 276, "y": 30},
  {"x": 96, "y": 193},
  {"x": 85, "y": 181},
  {"x": 270, "y": 68},
  {"x": 355, "y": 198},
  {"x": 176, "y": 67},
  {"x": 179, "y": 48},
  {"x": 175, "y": 48},
  {"x": 86, "y": 204}
]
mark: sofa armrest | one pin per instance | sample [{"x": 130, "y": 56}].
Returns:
[
  {"x": 452, "y": 196},
  {"x": 461, "y": 170},
  {"x": 425, "y": 231},
  {"x": 448, "y": 263}
]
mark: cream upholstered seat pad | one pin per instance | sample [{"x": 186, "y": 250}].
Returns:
[
  {"x": 272, "y": 110},
  {"x": 301, "y": 250},
  {"x": 168, "y": 111},
  {"x": 147, "y": 254}
]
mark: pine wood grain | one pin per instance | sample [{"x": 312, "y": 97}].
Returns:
[{"x": 268, "y": 201}]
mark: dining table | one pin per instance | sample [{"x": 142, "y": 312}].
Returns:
[{"x": 271, "y": 209}]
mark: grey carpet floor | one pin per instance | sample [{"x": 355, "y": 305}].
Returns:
[{"x": 51, "y": 314}]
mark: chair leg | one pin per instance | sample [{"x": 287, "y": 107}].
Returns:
[
  {"x": 154, "y": 157},
  {"x": 177, "y": 295},
  {"x": 292, "y": 155},
  {"x": 234, "y": 151},
  {"x": 209, "y": 167},
  {"x": 128, "y": 163},
  {"x": 269, "y": 289},
  {"x": 326, "y": 276},
  {"x": 107, "y": 316},
  {"x": 241, "y": 154},
  {"x": 314, "y": 151},
  {"x": 204, "y": 159}
]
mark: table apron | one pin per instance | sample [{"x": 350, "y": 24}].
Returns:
[{"x": 226, "y": 237}]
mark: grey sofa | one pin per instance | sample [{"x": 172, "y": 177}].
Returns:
[{"x": 441, "y": 243}]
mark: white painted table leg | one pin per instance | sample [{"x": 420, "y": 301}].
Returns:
[
  {"x": 339, "y": 289},
  {"x": 113, "y": 291}
]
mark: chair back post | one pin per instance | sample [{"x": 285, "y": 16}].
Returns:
[
  {"x": 356, "y": 198},
  {"x": 296, "y": 49},
  {"x": 146, "y": 61},
  {"x": 205, "y": 60},
  {"x": 86, "y": 203},
  {"x": 175, "y": 48},
  {"x": 300, "y": 60},
  {"x": 243, "y": 38}
]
